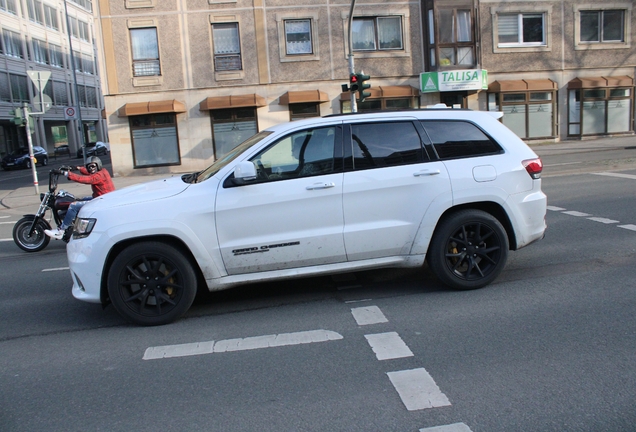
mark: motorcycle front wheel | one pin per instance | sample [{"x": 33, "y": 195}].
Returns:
[{"x": 34, "y": 242}]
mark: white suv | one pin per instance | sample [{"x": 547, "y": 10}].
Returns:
[{"x": 319, "y": 196}]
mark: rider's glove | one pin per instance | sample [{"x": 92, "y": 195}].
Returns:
[{"x": 65, "y": 173}]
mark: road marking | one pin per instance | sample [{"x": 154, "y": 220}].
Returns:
[
  {"x": 9, "y": 239},
  {"x": 387, "y": 346},
  {"x": 250, "y": 343},
  {"x": 6, "y": 223},
  {"x": 628, "y": 227},
  {"x": 563, "y": 163},
  {"x": 455, "y": 427},
  {"x": 576, "y": 213},
  {"x": 603, "y": 220},
  {"x": 368, "y": 315},
  {"x": 55, "y": 269},
  {"x": 619, "y": 175},
  {"x": 553, "y": 208},
  {"x": 417, "y": 389}
]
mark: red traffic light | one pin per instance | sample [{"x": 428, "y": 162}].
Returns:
[{"x": 353, "y": 78}]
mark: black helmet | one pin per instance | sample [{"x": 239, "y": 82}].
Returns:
[{"x": 95, "y": 160}]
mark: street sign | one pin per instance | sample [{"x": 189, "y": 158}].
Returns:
[
  {"x": 39, "y": 78},
  {"x": 43, "y": 103},
  {"x": 457, "y": 80},
  {"x": 70, "y": 113}
]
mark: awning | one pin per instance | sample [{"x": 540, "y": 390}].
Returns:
[
  {"x": 521, "y": 85},
  {"x": 307, "y": 96},
  {"x": 384, "y": 92},
  {"x": 142, "y": 108},
  {"x": 235, "y": 101},
  {"x": 595, "y": 82}
]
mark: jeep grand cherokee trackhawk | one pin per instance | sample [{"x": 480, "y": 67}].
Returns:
[{"x": 319, "y": 196}]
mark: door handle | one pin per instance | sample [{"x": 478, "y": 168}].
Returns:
[
  {"x": 321, "y": 186},
  {"x": 426, "y": 173}
]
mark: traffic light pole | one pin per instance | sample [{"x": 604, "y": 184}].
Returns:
[
  {"x": 352, "y": 70},
  {"x": 27, "y": 128}
]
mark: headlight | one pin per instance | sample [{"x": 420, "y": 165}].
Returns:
[{"x": 83, "y": 227}]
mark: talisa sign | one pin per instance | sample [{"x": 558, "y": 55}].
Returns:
[{"x": 457, "y": 80}]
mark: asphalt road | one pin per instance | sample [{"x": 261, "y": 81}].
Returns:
[{"x": 549, "y": 346}]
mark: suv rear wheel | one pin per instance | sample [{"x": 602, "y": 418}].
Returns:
[
  {"x": 468, "y": 250},
  {"x": 151, "y": 283}
]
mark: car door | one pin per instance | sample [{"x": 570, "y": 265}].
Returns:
[
  {"x": 389, "y": 184},
  {"x": 291, "y": 215}
]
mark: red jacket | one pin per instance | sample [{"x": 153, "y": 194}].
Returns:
[{"x": 100, "y": 182}]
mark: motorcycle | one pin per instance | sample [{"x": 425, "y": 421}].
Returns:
[{"x": 28, "y": 232}]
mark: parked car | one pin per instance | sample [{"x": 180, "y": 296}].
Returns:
[
  {"x": 455, "y": 188},
  {"x": 94, "y": 149},
  {"x": 63, "y": 149},
  {"x": 20, "y": 158}
]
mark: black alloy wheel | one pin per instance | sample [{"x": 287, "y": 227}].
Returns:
[
  {"x": 151, "y": 283},
  {"x": 34, "y": 242},
  {"x": 469, "y": 249}
]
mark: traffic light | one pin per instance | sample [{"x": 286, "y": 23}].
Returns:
[
  {"x": 17, "y": 117},
  {"x": 353, "y": 83},
  {"x": 362, "y": 86}
]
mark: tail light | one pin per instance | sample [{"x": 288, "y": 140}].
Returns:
[{"x": 534, "y": 167}]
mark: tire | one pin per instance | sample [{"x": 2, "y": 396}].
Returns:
[
  {"x": 151, "y": 283},
  {"x": 28, "y": 164},
  {"x": 469, "y": 249},
  {"x": 45, "y": 161},
  {"x": 37, "y": 241}
]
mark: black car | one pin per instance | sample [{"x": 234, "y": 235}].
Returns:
[
  {"x": 94, "y": 149},
  {"x": 63, "y": 149},
  {"x": 20, "y": 158}
]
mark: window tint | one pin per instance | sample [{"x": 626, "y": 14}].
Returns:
[
  {"x": 301, "y": 154},
  {"x": 457, "y": 139},
  {"x": 378, "y": 145}
]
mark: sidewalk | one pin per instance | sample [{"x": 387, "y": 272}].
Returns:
[{"x": 26, "y": 201}]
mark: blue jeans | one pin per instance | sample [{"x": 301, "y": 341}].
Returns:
[{"x": 73, "y": 210}]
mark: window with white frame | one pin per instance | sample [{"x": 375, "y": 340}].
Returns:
[
  {"x": 8, "y": 6},
  {"x": 40, "y": 52},
  {"x": 35, "y": 12},
  {"x": 50, "y": 17},
  {"x": 12, "y": 44},
  {"x": 298, "y": 37},
  {"x": 227, "y": 47},
  {"x": 56, "y": 56},
  {"x": 521, "y": 29},
  {"x": 377, "y": 33},
  {"x": 145, "y": 52},
  {"x": 602, "y": 26}
]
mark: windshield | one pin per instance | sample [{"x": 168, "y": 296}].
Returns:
[{"x": 233, "y": 154}]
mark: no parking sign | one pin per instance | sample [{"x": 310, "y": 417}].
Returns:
[{"x": 69, "y": 113}]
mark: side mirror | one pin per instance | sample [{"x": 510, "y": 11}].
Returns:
[{"x": 244, "y": 172}]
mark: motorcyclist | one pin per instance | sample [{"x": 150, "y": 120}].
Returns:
[{"x": 101, "y": 183}]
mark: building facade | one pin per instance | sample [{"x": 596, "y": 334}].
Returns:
[
  {"x": 49, "y": 37},
  {"x": 188, "y": 80}
]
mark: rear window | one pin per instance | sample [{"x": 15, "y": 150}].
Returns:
[{"x": 459, "y": 139}]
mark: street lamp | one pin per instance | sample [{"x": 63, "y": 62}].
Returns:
[{"x": 78, "y": 109}]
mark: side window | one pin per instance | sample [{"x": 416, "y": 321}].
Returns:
[
  {"x": 458, "y": 139},
  {"x": 379, "y": 145},
  {"x": 301, "y": 154}
]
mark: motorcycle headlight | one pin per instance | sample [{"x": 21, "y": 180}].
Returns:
[{"x": 83, "y": 227}]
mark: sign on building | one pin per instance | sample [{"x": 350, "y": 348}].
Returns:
[{"x": 456, "y": 80}]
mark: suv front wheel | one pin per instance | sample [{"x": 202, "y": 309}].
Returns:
[
  {"x": 151, "y": 283},
  {"x": 468, "y": 250}
]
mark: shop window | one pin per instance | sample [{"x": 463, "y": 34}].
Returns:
[
  {"x": 602, "y": 26},
  {"x": 155, "y": 140},
  {"x": 520, "y": 29},
  {"x": 230, "y": 127},
  {"x": 8, "y": 6},
  {"x": 299, "y": 111},
  {"x": 529, "y": 114},
  {"x": 298, "y": 37},
  {"x": 377, "y": 33},
  {"x": 145, "y": 52},
  {"x": 227, "y": 47},
  {"x": 599, "y": 111}
]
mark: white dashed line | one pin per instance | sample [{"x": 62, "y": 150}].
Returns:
[
  {"x": 55, "y": 269},
  {"x": 250, "y": 343},
  {"x": 576, "y": 213},
  {"x": 7, "y": 223},
  {"x": 628, "y": 227},
  {"x": 455, "y": 427},
  {"x": 3, "y": 240},
  {"x": 368, "y": 315},
  {"x": 553, "y": 208},
  {"x": 603, "y": 220},
  {"x": 387, "y": 346},
  {"x": 417, "y": 389},
  {"x": 619, "y": 175}
]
